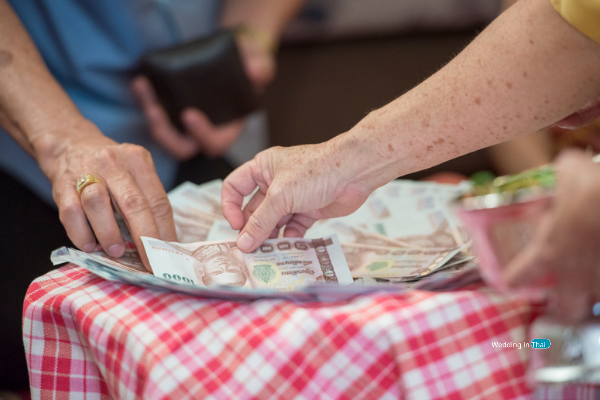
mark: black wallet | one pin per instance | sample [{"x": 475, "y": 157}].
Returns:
[{"x": 206, "y": 73}]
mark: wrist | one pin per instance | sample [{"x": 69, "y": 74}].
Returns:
[
  {"x": 358, "y": 156},
  {"x": 260, "y": 37},
  {"x": 51, "y": 143}
]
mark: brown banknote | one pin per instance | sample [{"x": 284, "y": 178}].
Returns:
[
  {"x": 394, "y": 262},
  {"x": 280, "y": 264}
]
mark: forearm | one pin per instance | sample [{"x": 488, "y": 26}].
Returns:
[
  {"x": 527, "y": 70},
  {"x": 34, "y": 109},
  {"x": 266, "y": 16}
]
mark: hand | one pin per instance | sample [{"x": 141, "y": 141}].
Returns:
[
  {"x": 296, "y": 186},
  {"x": 588, "y": 114},
  {"x": 565, "y": 250},
  {"x": 259, "y": 61},
  {"x": 201, "y": 134},
  {"x": 128, "y": 174}
]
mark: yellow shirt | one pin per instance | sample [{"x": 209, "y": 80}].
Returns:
[{"x": 584, "y": 15}]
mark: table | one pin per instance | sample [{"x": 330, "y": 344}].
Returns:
[{"x": 90, "y": 338}]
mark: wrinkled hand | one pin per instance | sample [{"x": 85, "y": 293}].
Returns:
[
  {"x": 201, "y": 134},
  {"x": 127, "y": 172},
  {"x": 296, "y": 186},
  {"x": 565, "y": 251}
]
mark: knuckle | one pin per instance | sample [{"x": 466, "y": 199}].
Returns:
[
  {"x": 136, "y": 150},
  {"x": 93, "y": 198},
  {"x": 68, "y": 212},
  {"x": 107, "y": 154},
  {"x": 264, "y": 155},
  {"x": 138, "y": 154},
  {"x": 161, "y": 207},
  {"x": 258, "y": 223},
  {"x": 280, "y": 201},
  {"x": 133, "y": 202}
]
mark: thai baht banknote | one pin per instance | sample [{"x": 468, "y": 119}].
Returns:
[{"x": 281, "y": 264}]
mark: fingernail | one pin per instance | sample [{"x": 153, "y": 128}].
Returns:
[
  {"x": 116, "y": 250},
  {"x": 88, "y": 248},
  {"x": 245, "y": 241}
]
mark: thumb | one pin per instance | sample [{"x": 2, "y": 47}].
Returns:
[{"x": 261, "y": 223}]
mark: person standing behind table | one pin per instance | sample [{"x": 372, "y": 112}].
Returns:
[
  {"x": 67, "y": 108},
  {"x": 536, "y": 64}
]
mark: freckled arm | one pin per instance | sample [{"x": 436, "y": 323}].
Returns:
[
  {"x": 527, "y": 70},
  {"x": 34, "y": 109}
]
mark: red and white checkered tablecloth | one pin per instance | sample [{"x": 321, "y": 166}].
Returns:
[{"x": 90, "y": 338}]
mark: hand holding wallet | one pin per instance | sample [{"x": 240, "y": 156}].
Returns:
[{"x": 207, "y": 74}]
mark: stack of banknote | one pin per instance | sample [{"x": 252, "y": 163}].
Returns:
[{"x": 405, "y": 231}]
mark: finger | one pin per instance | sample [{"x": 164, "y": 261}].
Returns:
[
  {"x": 144, "y": 173},
  {"x": 237, "y": 185},
  {"x": 136, "y": 210},
  {"x": 214, "y": 139},
  {"x": 96, "y": 204},
  {"x": 585, "y": 116},
  {"x": 570, "y": 160},
  {"x": 263, "y": 221},
  {"x": 283, "y": 221},
  {"x": 143, "y": 91},
  {"x": 253, "y": 204},
  {"x": 274, "y": 233},
  {"x": 179, "y": 145},
  {"x": 73, "y": 218},
  {"x": 298, "y": 225}
]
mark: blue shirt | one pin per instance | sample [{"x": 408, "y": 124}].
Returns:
[{"x": 92, "y": 48}]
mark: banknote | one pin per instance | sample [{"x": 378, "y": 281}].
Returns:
[
  {"x": 455, "y": 265},
  {"x": 401, "y": 214},
  {"x": 351, "y": 232},
  {"x": 100, "y": 265},
  {"x": 129, "y": 262},
  {"x": 406, "y": 188},
  {"x": 280, "y": 264},
  {"x": 400, "y": 263},
  {"x": 113, "y": 270},
  {"x": 422, "y": 230},
  {"x": 205, "y": 198},
  {"x": 420, "y": 213},
  {"x": 195, "y": 211},
  {"x": 192, "y": 225},
  {"x": 221, "y": 230},
  {"x": 400, "y": 218}
]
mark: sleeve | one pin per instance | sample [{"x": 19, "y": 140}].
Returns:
[{"x": 584, "y": 15}]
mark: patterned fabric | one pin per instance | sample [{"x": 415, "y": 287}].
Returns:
[{"x": 87, "y": 337}]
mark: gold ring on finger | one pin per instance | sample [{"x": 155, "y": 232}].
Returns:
[{"x": 85, "y": 181}]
